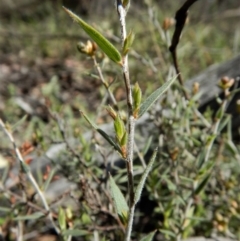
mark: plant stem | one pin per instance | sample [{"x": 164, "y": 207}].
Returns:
[
  {"x": 29, "y": 174},
  {"x": 130, "y": 222},
  {"x": 106, "y": 85},
  {"x": 131, "y": 122},
  {"x": 215, "y": 131}
]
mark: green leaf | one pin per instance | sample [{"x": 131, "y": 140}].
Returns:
[
  {"x": 170, "y": 184},
  {"x": 109, "y": 140},
  {"x": 119, "y": 127},
  {"x": 128, "y": 43},
  {"x": 62, "y": 219},
  {"x": 33, "y": 216},
  {"x": 207, "y": 167},
  {"x": 126, "y": 3},
  {"x": 75, "y": 232},
  {"x": 188, "y": 218},
  {"x": 137, "y": 98},
  {"x": 20, "y": 122},
  {"x": 186, "y": 179},
  {"x": 25, "y": 167},
  {"x": 224, "y": 122},
  {"x": 202, "y": 184},
  {"x": 154, "y": 96},
  {"x": 148, "y": 237},
  {"x": 220, "y": 113},
  {"x": 147, "y": 145},
  {"x": 103, "y": 134},
  {"x": 144, "y": 177},
  {"x": 100, "y": 40},
  {"x": 168, "y": 233},
  {"x": 119, "y": 201},
  {"x": 232, "y": 148},
  {"x": 49, "y": 179},
  {"x": 4, "y": 209},
  {"x": 124, "y": 139}
]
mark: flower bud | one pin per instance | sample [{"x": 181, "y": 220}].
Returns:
[
  {"x": 137, "y": 98},
  {"x": 195, "y": 88},
  {"x": 119, "y": 128},
  {"x": 89, "y": 48},
  {"x": 168, "y": 23},
  {"x": 111, "y": 112},
  {"x": 226, "y": 83}
]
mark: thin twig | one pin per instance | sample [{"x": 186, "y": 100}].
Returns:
[
  {"x": 29, "y": 174},
  {"x": 27, "y": 202},
  {"x": 20, "y": 231},
  {"x": 180, "y": 17},
  {"x": 106, "y": 85}
]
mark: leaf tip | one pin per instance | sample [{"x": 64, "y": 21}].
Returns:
[{"x": 65, "y": 9}]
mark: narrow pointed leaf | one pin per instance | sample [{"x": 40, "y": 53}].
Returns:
[
  {"x": 124, "y": 139},
  {"x": 103, "y": 134},
  {"x": 207, "y": 167},
  {"x": 147, "y": 145},
  {"x": 97, "y": 37},
  {"x": 128, "y": 43},
  {"x": 20, "y": 122},
  {"x": 202, "y": 184},
  {"x": 5, "y": 210},
  {"x": 168, "y": 233},
  {"x": 154, "y": 96},
  {"x": 75, "y": 232},
  {"x": 119, "y": 127},
  {"x": 49, "y": 179},
  {"x": 62, "y": 219},
  {"x": 119, "y": 201},
  {"x": 148, "y": 237},
  {"x": 33, "y": 216},
  {"x": 137, "y": 97},
  {"x": 88, "y": 120},
  {"x": 144, "y": 177},
  {"x": 25, "y": 167},
  {"x": 188, "y": 217},
  {"x": 109, "y": 139}
]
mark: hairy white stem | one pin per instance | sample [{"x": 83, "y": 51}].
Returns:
[{"x": 131, "y": 122}]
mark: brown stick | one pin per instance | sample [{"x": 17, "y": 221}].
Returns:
[{"x": 181, "y": 16}]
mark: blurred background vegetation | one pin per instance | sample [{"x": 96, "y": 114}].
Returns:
[
  {"x": 41, "y": 73},
  {"x": 38, "y": 35},
  {"x": 38, "y": 50}
]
